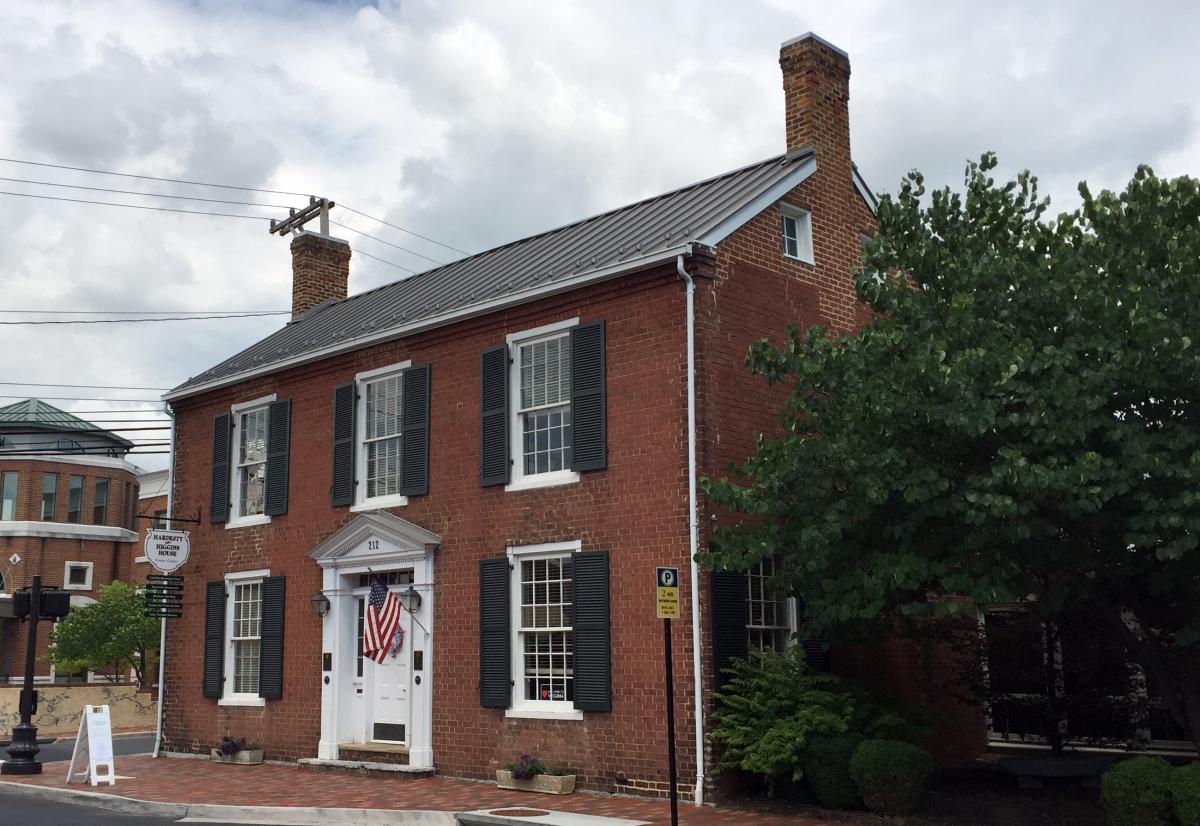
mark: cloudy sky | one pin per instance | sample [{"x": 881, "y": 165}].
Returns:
[{"x": 477, "y": 123}]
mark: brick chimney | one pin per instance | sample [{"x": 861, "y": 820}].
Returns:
[
  {"x": 320, "y": 270},
  {"x": 816, "y": 90}
]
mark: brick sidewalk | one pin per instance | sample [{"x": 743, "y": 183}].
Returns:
[{"x": 174, "y": 780}]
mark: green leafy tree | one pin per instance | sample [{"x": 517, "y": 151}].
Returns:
[
  {"x": 1020, "y": 422},
  {"x": 109, "y": 637}
]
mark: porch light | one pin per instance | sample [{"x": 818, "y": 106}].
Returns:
[
  {"x": 320, "y": 604},
  {"x": 411, "y": 600}
]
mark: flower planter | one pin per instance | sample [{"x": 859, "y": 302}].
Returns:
[
  {"x": 544, "y": 783},
  {"x": 245, "y": 757}
]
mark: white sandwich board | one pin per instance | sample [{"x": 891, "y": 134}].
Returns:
[{"x": 93, "y": 749}]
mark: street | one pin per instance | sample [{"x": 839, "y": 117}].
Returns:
[
  {"x": 19, "y": 809},
  {"x": 123, "y": 745}
]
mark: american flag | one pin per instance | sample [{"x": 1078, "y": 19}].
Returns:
[{"x": 382, "y": 634}]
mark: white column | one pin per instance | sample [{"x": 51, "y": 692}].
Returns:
[{"x": 327, "y": 749}]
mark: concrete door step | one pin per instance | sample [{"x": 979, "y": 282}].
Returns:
[
  {"x": 514, "y": 815},
  {"x": 367, "y": 767}
]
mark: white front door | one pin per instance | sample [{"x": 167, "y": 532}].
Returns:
[{"x": 388, "y": 685}]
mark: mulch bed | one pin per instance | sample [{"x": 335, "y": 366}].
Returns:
[{"x": 968, "y": 797}]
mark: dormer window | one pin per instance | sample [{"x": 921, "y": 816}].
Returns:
[{"x": 797, "y": 233}]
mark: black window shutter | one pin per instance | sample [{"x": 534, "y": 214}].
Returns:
[
  {"x": 816, "y": 654},
  {"x": 270, "y": 651},
  {"x": 493, "y": 429},
  {"x": 279, "y": 439},
  {"x": 495, "y": 665},
  {"x": 589, "y": 419},
  {"x": 214, "y": 639},
  {"x": 593, "y": 636},
  {"x": 414, "y": 431},
  {"x": 219, "y": 508},
  {"x": 342, "y": 489},
  {"x": 729, "y": 620}
]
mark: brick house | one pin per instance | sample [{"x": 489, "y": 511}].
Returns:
[
  {"x": 512, "y": 441},
  {"x": 68, "y": 499}
]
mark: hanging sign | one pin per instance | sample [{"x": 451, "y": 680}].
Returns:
[
  {"x": 167, "y": 550},
  {"x": 668, "y": 593},
  {"x": 93, "y": 749}
]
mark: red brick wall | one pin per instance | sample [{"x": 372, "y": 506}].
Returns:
[{"x": 636, "y": 509}]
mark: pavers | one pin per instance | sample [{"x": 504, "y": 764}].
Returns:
[{"x": 190, "y": 781}]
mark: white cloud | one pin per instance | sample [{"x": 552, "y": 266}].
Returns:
[{"x": 477, "y": 123}]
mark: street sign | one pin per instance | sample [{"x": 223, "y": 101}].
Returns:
[
  {"x": 164, "y": 596},
  {"x": 167, "y": 550},
  {"x": 668, "y": 593}
]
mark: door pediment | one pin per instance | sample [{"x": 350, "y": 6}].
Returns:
[{"x": 374, "y": 536}]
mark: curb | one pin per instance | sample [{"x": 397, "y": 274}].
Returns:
[{"x": 292, "y": 816}]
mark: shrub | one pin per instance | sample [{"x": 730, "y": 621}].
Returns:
[
  {"x": 827, "y": 768},
  {"x": 1185, "y": 793},
  {"x": 773, "y": 704},
  {"x": 1137, "y": 792},
  {"x": 526, "y": 767},
  {"x": 890, "y": 775}
]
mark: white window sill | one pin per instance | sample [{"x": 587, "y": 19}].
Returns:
[
  {"x": 248, "y": 521},
  {"x": 810, "y": 261},
  {"x": 544, "y": 714},
  {"x": 245, "y": 702},
  {"x": 380, "y": 502},
  {"x": 77, "y": 587},
  {"x": 544, "y": 480}
]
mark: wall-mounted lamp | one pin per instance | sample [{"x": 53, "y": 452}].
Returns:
[
  {"x": 320, "y": 604},
  {"x": 411, "y": 600}
]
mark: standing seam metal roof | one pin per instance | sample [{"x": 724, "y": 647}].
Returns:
[
  {"x": 35, "y": 414},
  {"x": 603, "y": 241}
]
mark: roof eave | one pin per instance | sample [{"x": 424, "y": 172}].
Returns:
[{"x": 440, "y": 320}]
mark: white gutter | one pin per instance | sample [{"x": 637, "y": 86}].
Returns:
[
  {"x": 694, "y": 525},
  {"x": 162, "y": 634},
  {"x": 431, "y": 322}
]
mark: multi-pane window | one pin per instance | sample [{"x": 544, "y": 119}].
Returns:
[
  {"x": 381, "y": 436},
  {"x": 767, "y": 623},
  {"x": 74, "y": 498},
  {"x": 49, "y": 496},
  {"x": 797, "y": 234},
  {"x": 546, "y": 629},
  {"x": 160, "y": 520},
  {"x": 246, "y": 636},
  {"x": 250, "y": 473},
  {"x": 545, "y": 405},
  {"x": 100, "y": 503},
  {"x": 8, "y": 492}
]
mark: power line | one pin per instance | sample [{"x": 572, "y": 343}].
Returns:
[
  {"x": 146, "y": 320},
  {"x": 397, "y": 226},
  {"x": 155, "y": 178},
  {"x": 374, "y": 257},
  {"x": 144, "y": 194},
  {"x": 86, "y": 399},
  {"x": 134, "y": 206},
  {"x": 147, "y": 312},
  {"x": 83, "y": 386},
  {"x": 389, "y": 243}
]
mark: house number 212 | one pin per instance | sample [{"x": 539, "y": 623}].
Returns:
[{"x": 372, "y": 544}]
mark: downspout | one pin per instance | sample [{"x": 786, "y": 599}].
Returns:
[
  {"x": 693, "y": 524},
  {"x": 162, "y": 634}
]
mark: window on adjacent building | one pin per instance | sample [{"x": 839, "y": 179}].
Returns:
[
  {"x": 160, "y": 520},
  {"x": 544, "y": 662},
  {"x": 250, "y": 462},
  {"x": 381, "y": 436},
  {"x": 245, "y": 638},
  {"x": 77, "y": 576},
  {"x": 797, "y": 233},
  {"x": 100, "y": 502},
  {"x": 767, "y": 626},
  {"x": 8, "y": 495},
  {"x": 75, "y": 499},
  {"x": 49, "y": 496}
]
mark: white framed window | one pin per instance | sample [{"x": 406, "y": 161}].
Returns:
[
  {"x": 543, "y": 662},
  {"x": 540, "y": 388},
  {"x": 243, "y": 636},
  {"x": 248, "y": 485},
  {"x": 377, "y": 436},
  {"x": 770, "y": 622},
  {"x": 77, "y": 576},
  {"x": 797, "y": 233}
]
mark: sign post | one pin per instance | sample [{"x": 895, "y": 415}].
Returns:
[
  {"x": 166, "y": 550},
  {"x": 667, "y": 585}
]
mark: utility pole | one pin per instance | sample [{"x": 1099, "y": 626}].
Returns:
[{"x": 294, "y": 223}]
